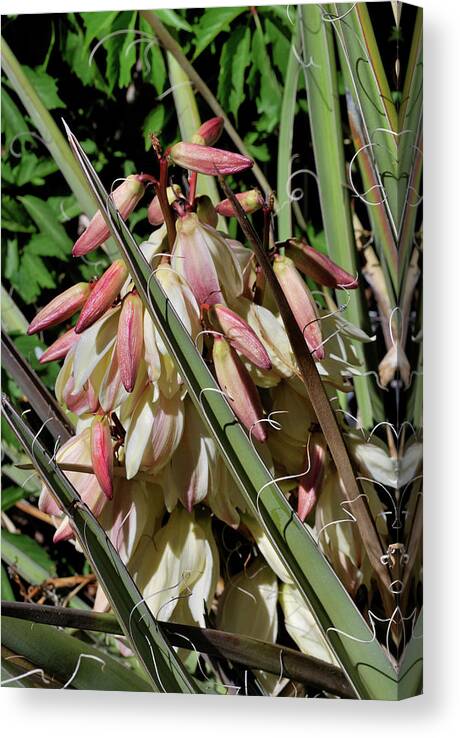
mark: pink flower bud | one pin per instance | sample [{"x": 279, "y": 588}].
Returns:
[
  {"x": 209, "y": 132},
  {"x": 61, "y": 308},
  {"x": 240, "y": 335},
  {"x": 301, "y": 303},
  {"x": 318, "y": 266},
  {"x": 250, "y": 202},
  {"x": 102, "y": 454},
  {"x": 65, "y": 532},
  {"x": 310, "y": 483},
  {"x": 60, "y": 348},
  {"x": 154, "y": 212},
  {"x": 193, "y": 260},
  {"x": 206, "y": 160},
  {"x": 125, "y": 197},
  {"x": 103, "y": 294},
  {"x": 241, "y": 392},
  {"x": 130, "y": 339}
]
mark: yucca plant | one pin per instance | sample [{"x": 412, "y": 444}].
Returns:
[{"x": 235, "y": 440}]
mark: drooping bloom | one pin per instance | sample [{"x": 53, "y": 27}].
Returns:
[
  {"x": 153, "y": 431},
  {"x": 60, "y": 348},
  {"x": 102, "y": 454},
  {"x": 240, "y": 390},
  {"x": 272, "y": 333},
  {"x": 134, "y": 514},
  {"x": 257, "y": 585},
  {"x": 295, "y": 415},
  {"x": 182, "y": 298},
  {"x": 209, "y": 132},
  {"x": 103, "y": 294},
  {"x": 248, "y": 607},
  {"x": 206, "y": 261},
  {"x": 198, "y": 474},
  {"x": 61, "y": 308},
  {"x": 80, "y": 401},
  {"x": 338, "y": 535},
  {"x": 177, "y": 571},
  {"x": 160, "y": 366},
  {"x": 250, "y": 202},
  {"x": 194, "y": 262},
  {"x": 130, "y": 339},
  {"x": 125, "y": 197},
  {"x": 208, "y": 160},
  {"x": 240, "y": 335},
  {"x": 188, "y": 473},
  {"x": 77, "y": 450},
  {"x": 318, "y": 266},
  {"x": 301, "y": 303},
  {"x": 93, "y": 348},
  {"x": 111, "y": 390}
]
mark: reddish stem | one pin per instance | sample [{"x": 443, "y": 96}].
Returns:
[
  {"x": 192, "y": 188},
  {"x": 161, "y": 190}
]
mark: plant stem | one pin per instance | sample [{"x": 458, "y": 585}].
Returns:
[
  {"x": 162, "y": 192},
  {"x": 192, "y": 188},
  {"x": 250, "y": 652}
]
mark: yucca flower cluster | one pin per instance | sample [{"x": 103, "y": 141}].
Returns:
[{"x": 141, "y": 457}]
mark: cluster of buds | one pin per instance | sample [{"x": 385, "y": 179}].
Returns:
[{"x": 136, "y": 428}]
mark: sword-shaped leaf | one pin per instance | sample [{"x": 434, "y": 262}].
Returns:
[
  {"x": 371, "y": 92},
  {"x": 326, "y": 129},
  {"x": 66, "y": 660}
]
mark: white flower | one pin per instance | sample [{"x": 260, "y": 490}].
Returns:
[
  {"x": 154, "y": 429},
  {"x": 179, "y": 568},
  {"x": 248, "y": 604}
]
